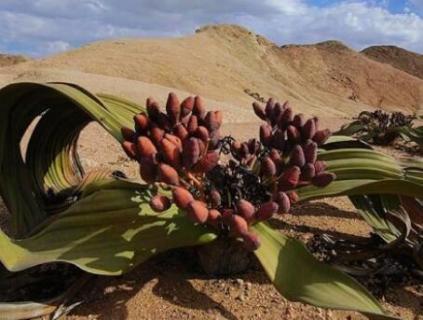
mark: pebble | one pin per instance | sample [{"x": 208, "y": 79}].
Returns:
[{"x": 241, "y": 297}]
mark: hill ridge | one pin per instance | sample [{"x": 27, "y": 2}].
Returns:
[
  {"x": 11, "y": 59},
  {"x": 400, "y": 58},
  {"x": 223, "y": 62}
]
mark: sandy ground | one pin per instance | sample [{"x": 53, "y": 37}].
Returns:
[{"x": 172, "y": 285}]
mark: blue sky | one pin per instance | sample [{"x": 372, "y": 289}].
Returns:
[{"x": 43, "y": 27}]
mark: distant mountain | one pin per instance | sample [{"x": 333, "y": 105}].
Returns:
[
  {"x": 8, "y": 59},
  {"x": 400, "y": 58},
  {"x": 231, "y": 64}
]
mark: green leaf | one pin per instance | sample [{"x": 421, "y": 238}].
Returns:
[
  {"x": 361, "y": 186},
  {"x": 109, "y": 232},
  {"x": 298, "y": 276},
  {"x": 411, "y": 134},
  {"x": 51, "y": 161},
  {"x": 363, "y": 172},
  {"x": 375, "y": 215}
]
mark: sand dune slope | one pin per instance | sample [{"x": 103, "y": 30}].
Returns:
[{"x": 222, "y": 62}]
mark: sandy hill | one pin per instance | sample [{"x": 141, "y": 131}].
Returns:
[
  {"x": 229, "y": 63},
  {"x": 9, "y": 59},
  {"x": 402, "y": 59}
]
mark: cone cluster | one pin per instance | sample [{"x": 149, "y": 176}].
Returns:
[
  {"x": 291, "y": 142},
  {"x": 180, "y": 139},
  {"x": 180, "y": 147}
]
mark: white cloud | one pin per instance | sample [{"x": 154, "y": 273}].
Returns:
[{"x": 45, "y": 26}]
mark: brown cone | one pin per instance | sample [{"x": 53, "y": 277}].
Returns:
[
  {"x": 289, "y": 178},
  {"x": 173, "y": 108},
  {"x": 270, "y": 105},
  {"x": 156, "y": 135},
  {"x": 191, "y": 152},
  {"x": 245, "y": 209},
  {"x": 310, "y": 152},
  {"x": 320, "y": 166},
  {"x": 128, "y": 134},
  {"x": 215, "y": 198},
  {"x": 153, "y": 109},
  {"x": 275, "y": 155},
  {"x": 203, "y": 146},
  {"x": 219, "y": 117},
  {"x": 175, "y": 140},
  {"x": 182, "y": 197},
  {"x": 268, "y": 167},
  {"x": 207, "y": 162},
  {"x": 251, "y": 241},
  {"x": 322, "y": 179},
  {"x": 202, "y": 133},
  {"x": 148, "y": 169},
  {"x": 239, "y": 226},
  {"x": 277, "y": 113},
  {"x": 283, "y": 201},
  {"x": 253, "y": 146},
  {"x": 164, "y": 122},
  {"x": 186, "y": 106},
  {"x": 267, "y": 210},
  {"x": 298, "y": 120},
  {"x": 321, "y": 136},
  {"x": 297, "y": 157},
  {"x": 214, "y": 139},
  {"x": 259, "y": 111},
  {"x": 180, "y": 131},
  {"x": 244, "y": 152},
  {"x": 214, "y": 217},
  {"x": 294, "y": 135},
  {"x": 286, "y": 118},
  {"x": 278, "y": 140},
  {"x": 308, "y": 130},
  {"x": 265, "y": 134},
  {"x": 145, "y": 148},
  {"x": 212, "y": 121},
  {"x": 197, "y": 211},
  {"x": 293, "y": 196},
  {"x": 160, "y": 203},
  {"x": 199, "y": 108},
  {"x": 192, "y": 124},
  {"x": 141, "y": 122},
  {"x": 168, "y": 174},
  {"x": 171, "y": 153},
  {"x": 185, "y": 120},
  {"x": 307, "y": 172},
  {"x": 130, "y": 149}
]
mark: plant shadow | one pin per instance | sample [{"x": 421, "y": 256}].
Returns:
[
  {"x": 319, "y": 209},
  {"x": 167, "y": 276}
]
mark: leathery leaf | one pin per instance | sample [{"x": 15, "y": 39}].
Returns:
[
  {"x": 298, "y": 276},
  {"x": 108, "y": 232}
]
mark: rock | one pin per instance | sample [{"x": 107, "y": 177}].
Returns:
[
  {"x": 241, "y": 297},
  {"x": 249, "y": 286},
  {"x": 240, "y": 282}
]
